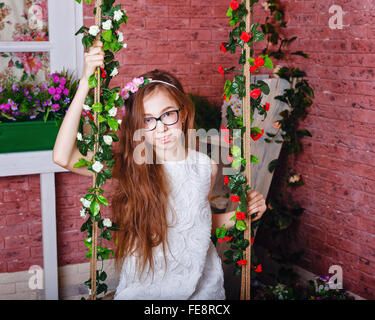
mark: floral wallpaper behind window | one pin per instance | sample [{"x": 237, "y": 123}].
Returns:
[{"x": 24, "y": 20}]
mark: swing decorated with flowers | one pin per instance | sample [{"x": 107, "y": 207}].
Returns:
[{"x": 100, "y": 109}]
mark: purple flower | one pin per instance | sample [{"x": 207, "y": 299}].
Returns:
[
  {"x": 61, "y": 86},
  {"x": 66, "y": 91},
  {"x": 56, "y": 79},
  {"x": 44, "y": 103},
  {"x": 51, "y": 90},
  {"x": 56, "y": 97},
  {"x": 55, "y": 107},
  {"x": 63, "y": 80},
  {"x": 33, "y": 117},
  {"x": 25, "y": 91},
  {"x": 58, "y": 90},
  {"x": 66, "y": 100},
  {"x": 49, "y": 101},
  {"x": 15, "y": 87},
  {"x": 37, "y": 102}
]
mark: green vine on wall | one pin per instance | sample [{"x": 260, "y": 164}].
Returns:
[{"x": 282, "y": 211}]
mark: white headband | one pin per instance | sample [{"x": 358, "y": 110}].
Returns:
[{"x": 163, "y": 82}]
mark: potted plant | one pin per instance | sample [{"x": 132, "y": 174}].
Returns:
[{"x": 31, "y": 115}]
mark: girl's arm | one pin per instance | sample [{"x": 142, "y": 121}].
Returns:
[
  {"x": 218, "y": 219},
  {"x": 65, "y": 151}
]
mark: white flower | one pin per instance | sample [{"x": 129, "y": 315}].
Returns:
[
  {"x": 94, "y": 30},
  {"x": 107, "y": 223},
  {"x": 294, "y": 178},
  {"x": 86, "y": 203},
  {"x": 119, "y": 121},
  {"x": 117, "y": 96},
  {"x": 124, "y": 45},
  {"x": 86, "y": 107},
  {"x": 107, "y": 25},
  {"x": 83, "y": 213},
  {"x": 120, "y": 36},
  {"x": 79, "y": 136},
  {"x": 112, "y": 112},
  {"x": 97, "y": 166},
  {"x": 107, "y": 139},
  {"x": 101, "y": 149},
  {"x": 117, "y": 15},
  {"x": 89, "y": 240},
  {"x": 114, "y": 72}
]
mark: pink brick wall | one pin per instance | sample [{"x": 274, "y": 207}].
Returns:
[{"x": 183, "y": 36}]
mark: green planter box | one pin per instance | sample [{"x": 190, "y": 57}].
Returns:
[{"x": 28, "y": 136}]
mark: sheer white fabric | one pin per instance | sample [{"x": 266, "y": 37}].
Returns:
[{"x": 194, "y": 269}]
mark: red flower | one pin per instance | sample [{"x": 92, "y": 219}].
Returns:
[
  {"x": 227, "y": 138},
  {"x": 234, "y": 5},
  {"x": 222, "y": 47},
  {"x": 266, "y": 106},
  {"x": 104, "y": 74},
  {"x": 220, "y": 240},
  {"x": 252, "y": 240},
  {"x": 87, "y": 113},
  {"x": 240, "y": 215},
  {"x": 255, "y": 93},
  {"x": 253, "y": 68},
  {"x": 226, "y": 180},
  {"x": 228, "y": 239},
  {"x": 225, "y": 129},
  {"x": 256, "y": 135},
  {"x": 259, "y": 61},
  {"x": 234, "y": 198},
  {"x": 225, "y": 97},
  {"x": 245, "y": 36},
  {"x": 230, "y": 159},
  {"x": 221, "y": 70},
  {"x": 259, "y": 268},
  {"x": 241, "y": 262}
]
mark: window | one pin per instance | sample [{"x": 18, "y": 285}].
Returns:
[{"x": 37, "y": 38}]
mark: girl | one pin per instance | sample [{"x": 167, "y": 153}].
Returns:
[{"x": 161, "y": 191}]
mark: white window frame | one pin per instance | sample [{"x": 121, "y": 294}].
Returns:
[{"x": 65, "y": 49}]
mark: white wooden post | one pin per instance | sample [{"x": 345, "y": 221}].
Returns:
[{"x": 40, "y": 162}]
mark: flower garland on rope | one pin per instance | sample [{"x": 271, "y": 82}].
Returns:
[
  {"x": 104, "y": 125},
  {"x": 243, "y": 35}
]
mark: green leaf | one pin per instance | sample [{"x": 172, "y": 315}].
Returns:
[
  {"x": 107, "y": 35},
  {"x": 95, "y": 207},
  {"x": 240, "y": 225},
  {"x": 113, "y": 123},
  {"x": 302, "y": 133},
  {"x": 81, "y": 162},
  {"x": 102, "y": 199},
  {"x": 92, "y": 81},
  {"x": 236, "y": 163},
  {"x": 220, "y": 232},
  {"x": 229, "y": 12},
  {"x": 254, "y": 159},
  {"x": 236, "y": 151},
  {"x": 98, "y": 107},
  {"x": 272, "y": 165}
]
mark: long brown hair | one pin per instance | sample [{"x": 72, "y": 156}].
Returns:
[{"x": 140, "y": 192}]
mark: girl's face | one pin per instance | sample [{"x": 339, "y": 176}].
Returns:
[{"x": 165, "y": 135}]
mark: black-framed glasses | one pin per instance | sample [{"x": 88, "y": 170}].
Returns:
[{"x": 168, "y": 118}]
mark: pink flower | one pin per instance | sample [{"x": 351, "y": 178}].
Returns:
[
  {"x": 51, "y": 90},
  {"x": 56, "y": 97},
  {"x": 66, "y": 91},
  {"x": 63, "y": 80},
  {"x": 58, "y": 90},
  {"x": 138, "y": 81}
]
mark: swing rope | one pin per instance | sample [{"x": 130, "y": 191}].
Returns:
[
  {"x": 245, "y": 275},
  {"x": 94, "y": 234}
]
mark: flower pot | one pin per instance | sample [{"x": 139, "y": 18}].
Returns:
[{"x": 28, "y": 136}]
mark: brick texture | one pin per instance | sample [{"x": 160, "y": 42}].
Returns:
[{"x": 337, "y": 164}]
